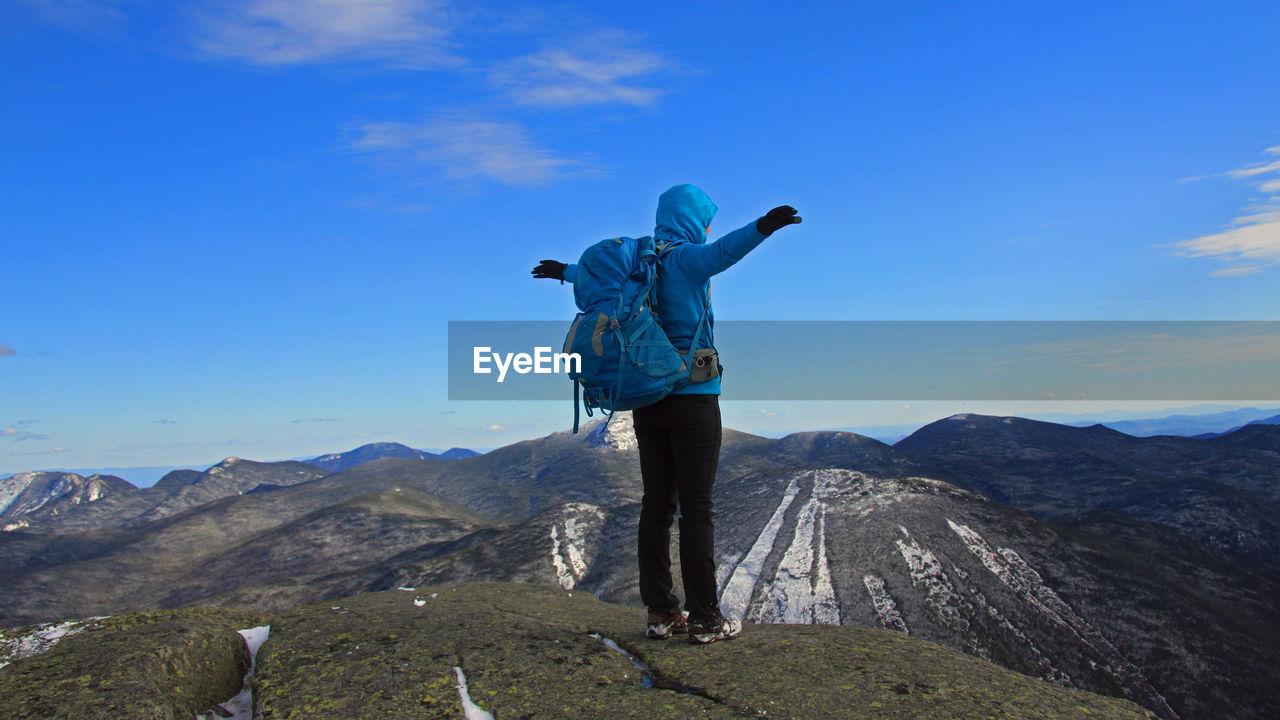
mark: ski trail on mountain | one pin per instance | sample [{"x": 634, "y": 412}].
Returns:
[
  {"x": 736, "y": 597},
  {"x": 801, "y": 591}
]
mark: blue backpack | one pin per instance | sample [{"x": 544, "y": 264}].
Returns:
[{"x": 626, "y": 359}]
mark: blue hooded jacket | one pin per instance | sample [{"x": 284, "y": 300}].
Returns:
[{"x": 684, "y": 216}]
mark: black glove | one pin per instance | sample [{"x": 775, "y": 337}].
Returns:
[
  {"x": 777, "y": 218},
  {"x": 550, "y": 269}
]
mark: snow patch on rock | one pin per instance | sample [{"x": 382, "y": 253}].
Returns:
[
  {"x": 568, "y": 554},
  {"x": 11, "y": 487},
  {"x": 40, "y": 639},
  {"x": 617, "y": 432},
  {"x": 940, "y": 594},
  {"x": 470, "y": 710},
  {"x": 882, "y": 601},
  {"x": 240, "y": 707}
]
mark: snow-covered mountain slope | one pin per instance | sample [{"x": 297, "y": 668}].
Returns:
[{"x": 28, "y": 492}]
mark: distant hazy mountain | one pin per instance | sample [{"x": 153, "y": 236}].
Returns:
[
  {"x": 334, "y": 462},
  {"x": 1187, "y": 425},
  {"x": 1273, "y": 420},
  {"x": 1135, "y": 567}
]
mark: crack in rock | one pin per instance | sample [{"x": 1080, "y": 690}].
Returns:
[{"x": 656, "y": 681}]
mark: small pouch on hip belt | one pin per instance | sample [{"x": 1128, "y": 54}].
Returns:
[{"x": 706, "y": 365}]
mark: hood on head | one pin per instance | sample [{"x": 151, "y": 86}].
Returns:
[{"x": 684, "y": 213}]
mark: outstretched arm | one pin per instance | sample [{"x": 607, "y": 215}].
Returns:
[{"x": 716, "y": 257}]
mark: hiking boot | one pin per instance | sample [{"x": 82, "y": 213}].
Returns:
[
  {"x": 723, "y": 630},
  {"x": 661, "y": 625}
]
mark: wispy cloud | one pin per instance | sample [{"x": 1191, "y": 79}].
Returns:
[
  {"x": 18, "y": 435},
  {"x": 319, "y": 420},
  {"x": 601, "y": 69},
  {"x": 6, "y": 350},
  {"x": 592, "y": 67},
  {"x": 469, "y": 148},
  {"x": 95, "y": 17},
  {"x": 1252, "y": 242},
  {"x": 287, "y": 32},
  {"x": 165, "y": 421}
]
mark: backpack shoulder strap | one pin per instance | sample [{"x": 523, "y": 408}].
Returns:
[
  {"x": 663, "y": 248},
  {"x": 667, "y": 246}
]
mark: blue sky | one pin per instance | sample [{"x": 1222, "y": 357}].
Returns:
[{"x": 240, "y": 228}]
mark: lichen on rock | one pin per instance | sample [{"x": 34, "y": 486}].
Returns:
[
  {"x": 153, "y": 664},
  {"x": 531, "y": 652}
]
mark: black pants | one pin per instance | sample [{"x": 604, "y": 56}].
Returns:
[{"x": 679, "y": 439}]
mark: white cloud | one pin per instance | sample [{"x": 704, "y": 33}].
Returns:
[
  {"x": 9, "y": 432},
  {"x": 469, "y": 148},
  {"x": 1256, "y": 244},
  {"x": 600, "y": 69},
  {"x": 283, "y": 32},
  {"x": 1252, "y": 243}
]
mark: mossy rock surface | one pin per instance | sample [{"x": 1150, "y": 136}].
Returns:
[
  {"x": 528, "y": 653},
  {"x": 153, "y": 664}
]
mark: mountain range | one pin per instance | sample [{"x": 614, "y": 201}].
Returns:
[
  {"x": 1141, "y": 568},
  {"x": 1197, "y": 421}
]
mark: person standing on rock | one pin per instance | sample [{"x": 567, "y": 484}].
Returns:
[{"x": 679, "y": 436}]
